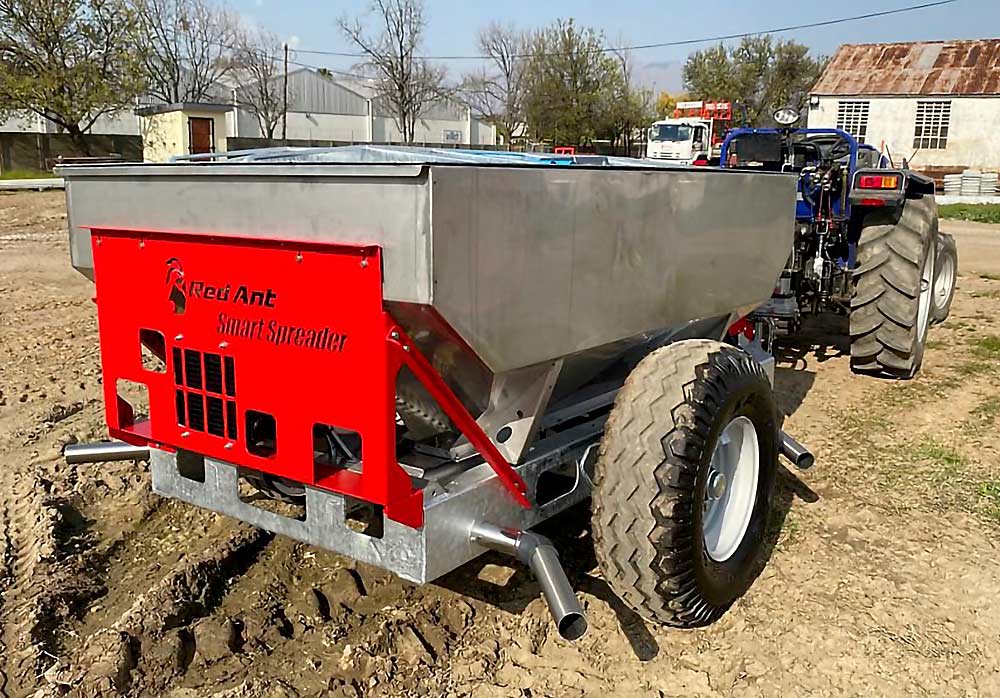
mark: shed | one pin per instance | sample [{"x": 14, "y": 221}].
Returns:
[{"x": 183, "y": 129}]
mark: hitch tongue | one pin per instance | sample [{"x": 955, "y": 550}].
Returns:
[
  {"x": 103, "y": 452},
  {"x": 538, "y": 553},
  {"x": 797, "y": 454}
]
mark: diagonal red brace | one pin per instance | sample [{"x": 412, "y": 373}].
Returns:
[{"x": 453, "y": 407}]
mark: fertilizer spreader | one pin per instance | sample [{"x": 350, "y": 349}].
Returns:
[{"x": 426, "y": 353}]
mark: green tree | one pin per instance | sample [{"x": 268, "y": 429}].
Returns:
[
  {"x": 571, "y": 85},
  {"x": 759, "y": 73},
  {"x": 70, "y": 61}
]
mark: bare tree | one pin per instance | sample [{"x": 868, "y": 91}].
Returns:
[
  {"x": 633, "y": 107},
  {"x": 496, "y": 92},
  {"x": 188, "y": 48},
  {"x": 69, "y": 61},
  {"x": 258, "y": 65},
  {"x": 406, "y": 84}
]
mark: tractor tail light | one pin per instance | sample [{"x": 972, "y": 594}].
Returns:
[{"x": 878, "y": 182}]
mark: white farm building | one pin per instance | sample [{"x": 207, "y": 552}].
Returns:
[
  {"x": 936, "y": 103},
  {"x": 320, "y": 107}
]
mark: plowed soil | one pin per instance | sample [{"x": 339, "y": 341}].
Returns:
[{"x": 884, "y": 578}]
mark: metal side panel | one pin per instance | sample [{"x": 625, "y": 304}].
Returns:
[
  {"x": 386, "y": 206},
  {"x": 419, "y": 555},
  {"x": 535, "y": 265}
]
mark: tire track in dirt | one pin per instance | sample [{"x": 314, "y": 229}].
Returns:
[
  {"x": 29, "y": 545},
  {"x": 5, "y": 577},
  {"x": 190, "y": 589}
]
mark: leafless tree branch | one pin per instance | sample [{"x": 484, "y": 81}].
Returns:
[
  {"x": 406, "y": 84},
  {"x": 190, "y": 46},
  {"x": 257, "y": 66}
]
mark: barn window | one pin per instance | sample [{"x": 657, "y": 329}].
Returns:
[
  {"x": 933, "y": 119},
  {"x": 853, "y": 118}
]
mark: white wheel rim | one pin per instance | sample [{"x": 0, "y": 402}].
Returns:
[
  {"x": 926, "y": 294},
  {"x": 730, "y": 489},
  {"x": 944, "y": 281}
]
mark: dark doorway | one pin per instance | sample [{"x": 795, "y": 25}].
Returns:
[{"x": 201, "y": 135}]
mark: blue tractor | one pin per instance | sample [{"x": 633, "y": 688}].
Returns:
[{"x": 866, "y": 245}]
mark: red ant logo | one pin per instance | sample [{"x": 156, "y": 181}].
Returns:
[{"x": 177, "y": 293}]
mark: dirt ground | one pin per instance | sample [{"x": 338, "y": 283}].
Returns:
[{"x": 884, "y": 578}]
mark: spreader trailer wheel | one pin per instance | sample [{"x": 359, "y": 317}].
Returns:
[{"x": 684, "y": 482}]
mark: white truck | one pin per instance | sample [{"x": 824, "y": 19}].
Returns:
[{"x": 693, "y": 136}]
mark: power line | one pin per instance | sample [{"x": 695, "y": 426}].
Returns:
[{"x": 682, "y": 42}]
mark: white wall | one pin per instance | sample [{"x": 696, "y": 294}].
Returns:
[
  {"x": 973, "y": 139},
  {"x": 120, "y": 124},
  {"x": 329, "y": 127},
  {"x": 333, "y": 127},
  {"x": 483, "y": 133},
  {"x": 382, "y": 129},
  {"x": 426, "y": 131}
]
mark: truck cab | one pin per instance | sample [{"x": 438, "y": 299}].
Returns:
[
  {"x": 693, "y": 135},
  {"x": 684, "y": 141}
]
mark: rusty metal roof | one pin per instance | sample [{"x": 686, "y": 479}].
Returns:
[{"x": 916, "y": 68}]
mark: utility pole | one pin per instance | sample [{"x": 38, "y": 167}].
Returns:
[{"x": 284, "y": 100}]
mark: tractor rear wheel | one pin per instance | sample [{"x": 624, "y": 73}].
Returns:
[
  {"x": 894, "y": 289},
  {"x": 684, "y": 482},
  {"x": 944, "y": 277}
]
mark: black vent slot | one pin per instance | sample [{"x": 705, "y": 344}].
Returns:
[
  {"x": 205, "y": 391},
  {"x": 192, "y": 369},
  {"x": 230, "y": 377},
  {"x": 178, "y": 367},
  {"x": 231, "y": 430},
  {"x": 216, "y": 421},
  {"x": 213, "y": 374},
  {"x": 181, "y": 408},
  {"x": 196, "y": 411}
]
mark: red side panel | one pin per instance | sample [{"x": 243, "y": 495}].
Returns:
[{"x": 293, "y": 331}]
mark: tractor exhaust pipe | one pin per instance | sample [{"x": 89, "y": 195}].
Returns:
[
  {"x": 538, "y": 553},
  {"x": 797, "y": 454},
  {"x": 103, "y": 452}
]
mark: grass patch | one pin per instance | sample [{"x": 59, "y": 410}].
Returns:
[
  {"x": 989, "y": 493},
  {"x": 955, "y": 325},
  {"x": 985, "y": 294},
  {"x": 978, "y": 213},
  {"x": 990, "y": 277},
  {"x": 790, "y": 532},
  {"x": 988, "y": 409},
  {"x": 935, "y": 452},
  {"x": 969, "y": 369},
  {"x": 934, "y": 344},
  {"x": 26, "y": 174},
  {"x": 987, "y": 347}
]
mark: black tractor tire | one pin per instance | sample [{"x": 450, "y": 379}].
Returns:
[
  {"x": 895, "y": 268},
  {"x": 945, "y": 275},
  {"x": 651, "y": 477}
]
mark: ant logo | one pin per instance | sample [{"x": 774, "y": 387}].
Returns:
[{"x": 176, "y": 289}]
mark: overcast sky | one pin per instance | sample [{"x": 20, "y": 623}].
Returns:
[{"x": 452, "y": 24}]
